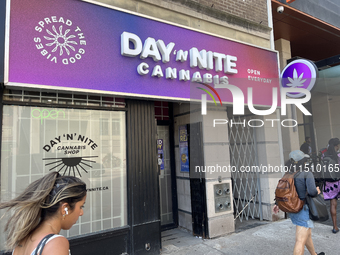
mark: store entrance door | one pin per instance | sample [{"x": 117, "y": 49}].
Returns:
[{"x": 165, "y": 177}]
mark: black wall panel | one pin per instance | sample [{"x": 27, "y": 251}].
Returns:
[
  {"x": 143, "y": 177},
  {"x": 106, "y": 243},
  {"x": 147, "y": 239},
  {"x": 197, "y": 182}
]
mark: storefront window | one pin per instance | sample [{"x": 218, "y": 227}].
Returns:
[{"x": 88, "y": 144}]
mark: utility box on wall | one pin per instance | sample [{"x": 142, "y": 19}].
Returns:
[
  {"x": 219, "y": 197},
  {"x": 219, "y": 207},
  {"x": 222, "y": 197}
]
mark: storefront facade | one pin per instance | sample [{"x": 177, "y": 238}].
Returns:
[
  {"x": 311, "y": 30},
  {"x": 112, "y": 94}
]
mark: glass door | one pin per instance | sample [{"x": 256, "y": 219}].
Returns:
[{"x": 163, "y": 146}]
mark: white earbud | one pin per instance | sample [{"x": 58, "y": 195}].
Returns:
[{"x": 66, "y": 211}]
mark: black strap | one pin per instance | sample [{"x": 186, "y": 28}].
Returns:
[{"x": 42, "y": 243}]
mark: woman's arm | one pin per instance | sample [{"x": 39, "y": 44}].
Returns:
[
  {"x": 310, "y": 183},
  {"x": 276, "y": 209}
]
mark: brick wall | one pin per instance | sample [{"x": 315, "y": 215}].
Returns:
[
  {"x": 251, "y": 10},
  {"x": 243, "y": 20}
]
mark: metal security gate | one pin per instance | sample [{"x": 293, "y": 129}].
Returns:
[{"x": 243, "y": 161}]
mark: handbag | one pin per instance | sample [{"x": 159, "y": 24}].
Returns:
[
  {"x": 317, "y": 208},
  {"x": 41, "y": 245}
]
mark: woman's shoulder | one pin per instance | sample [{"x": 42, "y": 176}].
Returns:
[
  {"x": 57, "y": 237},
  {"x": 56, "y": 245},
  {"x": 304, "y": 175},
  {"x": 308, "y": 174}
]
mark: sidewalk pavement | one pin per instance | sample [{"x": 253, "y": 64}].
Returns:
[{"x": 267, "y": 238}]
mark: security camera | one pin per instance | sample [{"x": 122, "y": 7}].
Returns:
[{"x": 280, "y": 9}]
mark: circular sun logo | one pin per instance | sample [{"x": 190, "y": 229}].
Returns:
[{"x": 59, "y": 40}]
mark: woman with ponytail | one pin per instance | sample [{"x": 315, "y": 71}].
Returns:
[
  {"x": 304, "y": 184},
  {"x": 45, "y": 207},
  {"x": 331, "y": 190}
]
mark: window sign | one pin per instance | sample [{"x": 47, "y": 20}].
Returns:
[
  {"x": 160, "y": 153},
  {"x": 38, "y": 140},
  {"x": 183, "y": 148}
]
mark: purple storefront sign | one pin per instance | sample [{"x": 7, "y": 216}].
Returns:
[{"x": 76, "y": 45}]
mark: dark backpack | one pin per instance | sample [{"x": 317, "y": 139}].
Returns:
[
  {"x": 329, "y": 169},
  {"x": 286, "y": 196}
]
